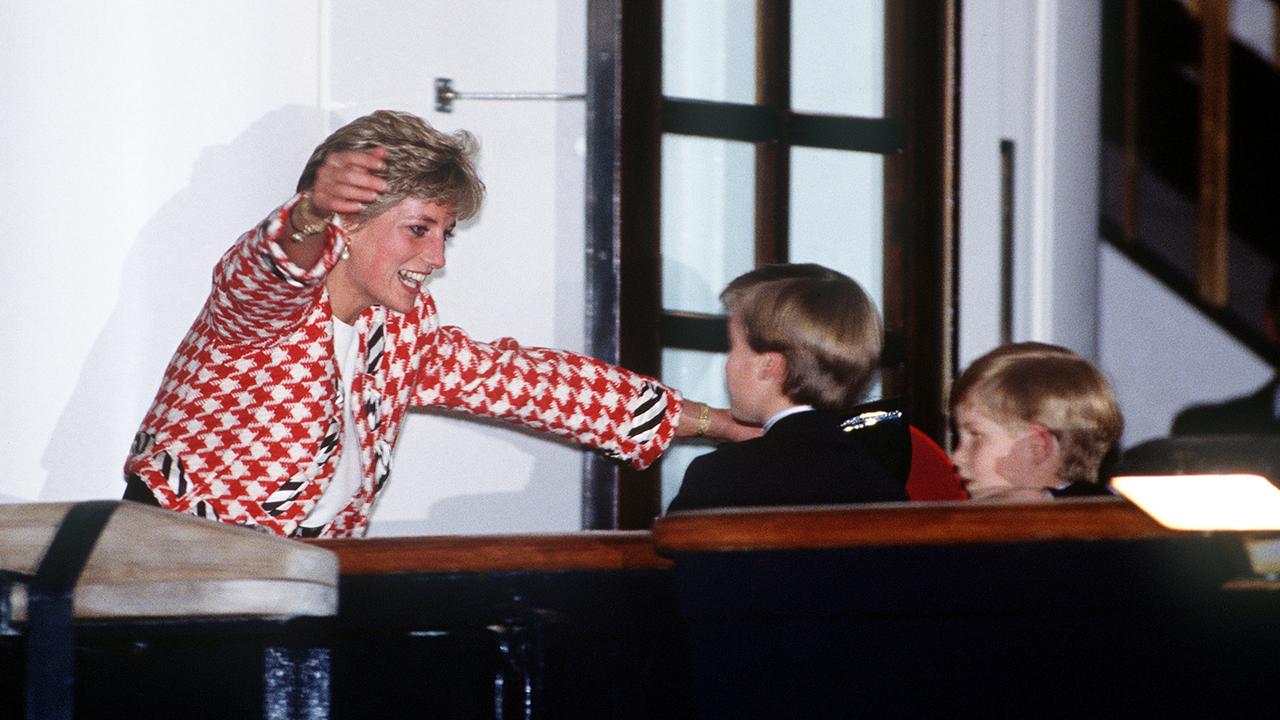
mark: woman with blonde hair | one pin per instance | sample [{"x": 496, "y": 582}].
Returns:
[{"x": 281, "y": 407}]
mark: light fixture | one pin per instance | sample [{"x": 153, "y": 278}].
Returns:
[
  {"x": 1211, "y": 484},
  {"x": 1216, "y": 501}
]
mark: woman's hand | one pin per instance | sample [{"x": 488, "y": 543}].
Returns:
[
  {"x": 1011, "y": 494},
  {"x": 699, "y": 419},
  {"x": 346, "y": 182}
]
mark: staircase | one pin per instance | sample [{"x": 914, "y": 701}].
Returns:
[{"x": 1191, "y": 155}]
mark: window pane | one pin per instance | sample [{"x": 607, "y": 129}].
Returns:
[
  {"x": 709, "y": 50},
  {"x": 837, "y": 217},
  {"x": 708, "y": 219},
  {"x": 837, "y": 57},
  {"x": 699, "y": 376}
]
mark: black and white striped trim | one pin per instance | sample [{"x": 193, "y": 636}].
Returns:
[
  {"x": 647, "y": 412},
  {"x": 274, "y": 268},
  {"x": 381, "y": 464},
  {"x": 174, "y": 473},
  {"x": 142, "y": 442},
  {"x": 377, "y": 343},
  {"x": 204, "y": 510},
  {"x": 284, "y": 495}
]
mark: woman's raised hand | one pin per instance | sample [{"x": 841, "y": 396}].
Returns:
[{"x": 346, "y": 181}]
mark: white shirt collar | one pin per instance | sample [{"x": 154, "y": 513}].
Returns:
[{"x": 783, "y": 413}]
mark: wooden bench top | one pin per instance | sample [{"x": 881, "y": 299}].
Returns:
[
  {"x": 898, "y": 524},
  {"x": 588, "y": 550},
  {"x": 749, "y": 529}
]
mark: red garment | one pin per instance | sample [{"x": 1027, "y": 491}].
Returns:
[{"x": 247, "y": 424}]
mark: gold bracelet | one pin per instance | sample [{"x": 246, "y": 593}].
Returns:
[
  {"x": 307, "y": 230},
  {"x": 704, "y": 420}
]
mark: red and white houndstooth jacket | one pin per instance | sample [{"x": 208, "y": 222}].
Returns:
[{"x": 247, "y": 425}]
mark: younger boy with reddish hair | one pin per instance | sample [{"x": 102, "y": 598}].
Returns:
[{"x": 1034, "y": 421}]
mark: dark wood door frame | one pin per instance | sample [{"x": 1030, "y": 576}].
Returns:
[{"x": 626, "y": 113}]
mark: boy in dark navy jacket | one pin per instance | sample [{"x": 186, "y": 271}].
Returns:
[{"x": 804, "y": 343}]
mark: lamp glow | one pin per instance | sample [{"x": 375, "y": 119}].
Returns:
[{"x": 1204, "y": 502}]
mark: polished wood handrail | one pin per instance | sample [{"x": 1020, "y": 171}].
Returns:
[
  {"x": 589, "y": 550},
  {"x": 942, "y": 523},
  {"x": 1212, "y": 221},
  {"x": 797, "y": 528},
  {"x": 1130, "y": 162}
]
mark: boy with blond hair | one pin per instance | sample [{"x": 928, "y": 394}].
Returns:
[
  {"x": 804, "y": 344},
  {"x": 1033, "y": 421}
]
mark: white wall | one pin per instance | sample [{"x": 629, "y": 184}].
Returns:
[
  {"x": 1029, "y": 73},
  {"x": 130, "y": 155},
  {"x": 1161, "y": 354},
  {"x": 519, "y": 270},
  {"x": 137, "y": 139}
]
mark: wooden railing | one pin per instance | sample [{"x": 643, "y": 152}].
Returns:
[
  {"x": 943, "y": 523},
  {"x": 591, "y": 550},
  {"x": 967, "y": 609},
  {"x": 701, "y": 612},
  {"x": 1183, "y": 115}
]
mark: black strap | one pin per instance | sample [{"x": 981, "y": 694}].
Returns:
[
  {"x": 136, "y": 490},
  {"x": 309, "y": 532},
  {"x": 50, "y": 646}
]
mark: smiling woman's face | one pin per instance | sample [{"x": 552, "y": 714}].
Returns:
[{"x": 391, "y": 256}]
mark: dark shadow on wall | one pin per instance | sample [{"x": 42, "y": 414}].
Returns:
[{"x": 164, "y": 283}]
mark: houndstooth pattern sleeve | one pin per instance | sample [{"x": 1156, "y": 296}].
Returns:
[
  {"x": 623, "y": 414},
  {"x": 259, "y": 295}
]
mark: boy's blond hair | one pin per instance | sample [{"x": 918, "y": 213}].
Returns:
[
  {"x": 1049, "y": 385},
  {"x": 820, "y": 320}
]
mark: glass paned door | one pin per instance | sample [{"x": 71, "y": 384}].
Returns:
[
  {"x": 837, "y": 57},
  {"x": 708, "y": 235},
  {"x": 723, "y": 176}
]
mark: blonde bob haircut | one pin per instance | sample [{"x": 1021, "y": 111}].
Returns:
[
  {"x": 820, "y": 320},
  {"x": 421, "y": 162},
  {"x": 1025, "y": 383}
]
